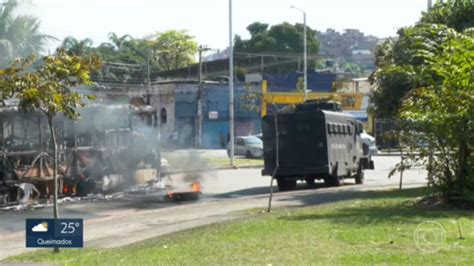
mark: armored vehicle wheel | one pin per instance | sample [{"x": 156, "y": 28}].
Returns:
[
  {"x": 327, "y": 181},
  {"x": 338, "y": 180},
  {"x": 334, "y": 179},
  {"x": 310, "y": 181},
  {"x": 286, "y": 184},
  {"x": 359, "y": 177}
]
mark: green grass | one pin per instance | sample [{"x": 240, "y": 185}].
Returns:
[
  {"x": 193, "y": 161},
  {"x": 372, "y": 228},
  {"x": 238, "y": 161}
]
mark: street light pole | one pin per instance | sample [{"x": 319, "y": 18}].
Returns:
[
  {"x": 231, "y": 87},
  {"x": 305, "y": 54}
]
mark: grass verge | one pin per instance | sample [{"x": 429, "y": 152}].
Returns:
[
  {"x": 378, "y": 228},
  {"x": 238, "y": 161},
  {"x": 194, "y": 161}
]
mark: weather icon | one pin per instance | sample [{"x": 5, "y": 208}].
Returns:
[{"x": 41, "y": 227}]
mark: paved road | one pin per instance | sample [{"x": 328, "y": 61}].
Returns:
[{"x": 133, "y": 218}]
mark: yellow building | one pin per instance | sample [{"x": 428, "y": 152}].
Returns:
[{"x": 353, "y": 103}]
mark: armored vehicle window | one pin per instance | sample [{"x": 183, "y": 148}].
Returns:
[
  {"x": 359, "y": 128},
  {"x": 331, "y": 128},
  {"x": 349, "y": 129},
  {"x": 344, "y": 129}
]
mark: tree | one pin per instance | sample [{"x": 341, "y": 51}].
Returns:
[
  {"x": 119, "y": 42},
  {"x": 77, "y": 47},
  {"x": 457, "y": 14},
  {"x": 257, "y": 28},
  {"x": 425, "y": 82},
  {"x": 283, "y": 38},
  {"x": 404, "y": 51},
  {"x": 173, "y": 49},
  {"x": 19, "y": 35},
  {"x": 393, "y": 83},
  {"x": 443, "y": 112},
  {"x": 47, "y": 85}
]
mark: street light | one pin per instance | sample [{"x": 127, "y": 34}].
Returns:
[
  {"x": 231, "y": 87},
  {"x": 305, "y": 58}
]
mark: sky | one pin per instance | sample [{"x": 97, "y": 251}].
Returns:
[{"x": 208, "y": 20}]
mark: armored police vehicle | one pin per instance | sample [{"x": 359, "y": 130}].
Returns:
[{"x": 313, "y": 144}]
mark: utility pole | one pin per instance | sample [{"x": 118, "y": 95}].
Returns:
[
  {"x": 148, "y": 73},
  {"x": 305, "y": 56},
  {"x": 305, "y": 59},
  {"x": 231, "y": 86},
  {"x": 199, "y": 99}
]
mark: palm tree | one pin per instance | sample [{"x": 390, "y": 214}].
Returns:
[
  {"x": 77, "y": 47},
  {"x": 119, "y": 42},
  {"x": 19, "y": 35}
]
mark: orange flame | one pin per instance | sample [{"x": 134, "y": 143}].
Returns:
[{"x": 196, "y": 186}]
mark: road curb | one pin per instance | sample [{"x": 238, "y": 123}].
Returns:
[{"x": 386, "y": 154}]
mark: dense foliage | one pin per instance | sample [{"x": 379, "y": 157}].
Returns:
[
  {"x": 282, "y": 37},
  {"x": 284, "y": 40},
  {"x": 425, "y": 82},
  {"x": 19, "y": 35},
  {"x": 443, "y": 112},
  {"x": 127, "y": 59},
  {"x": 47, "y": 85}
]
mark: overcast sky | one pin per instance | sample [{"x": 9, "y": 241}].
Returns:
[{"x": 207, "y": 20}]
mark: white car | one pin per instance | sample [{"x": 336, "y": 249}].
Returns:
[
  {"x": 250, "y": 147},
  {"x": 370, "y": 142}
]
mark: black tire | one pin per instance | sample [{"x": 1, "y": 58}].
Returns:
[
  {"x": 335, "y": 180},
  {"x": 248, "y": 154},
  {"x": 338, "y": 180},
  {"x": 327, "y": 181},
  {"x": 359, "y": 177},
  {"x": 310, "y": 181},
  {"x": 286, "y": 184}
]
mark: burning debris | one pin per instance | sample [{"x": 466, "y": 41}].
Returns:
[{"x": 193, "y": 194}]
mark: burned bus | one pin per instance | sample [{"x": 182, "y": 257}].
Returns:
[
  {"x": 313, "y": 144},
  {"x": 111, "y": 146}
]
